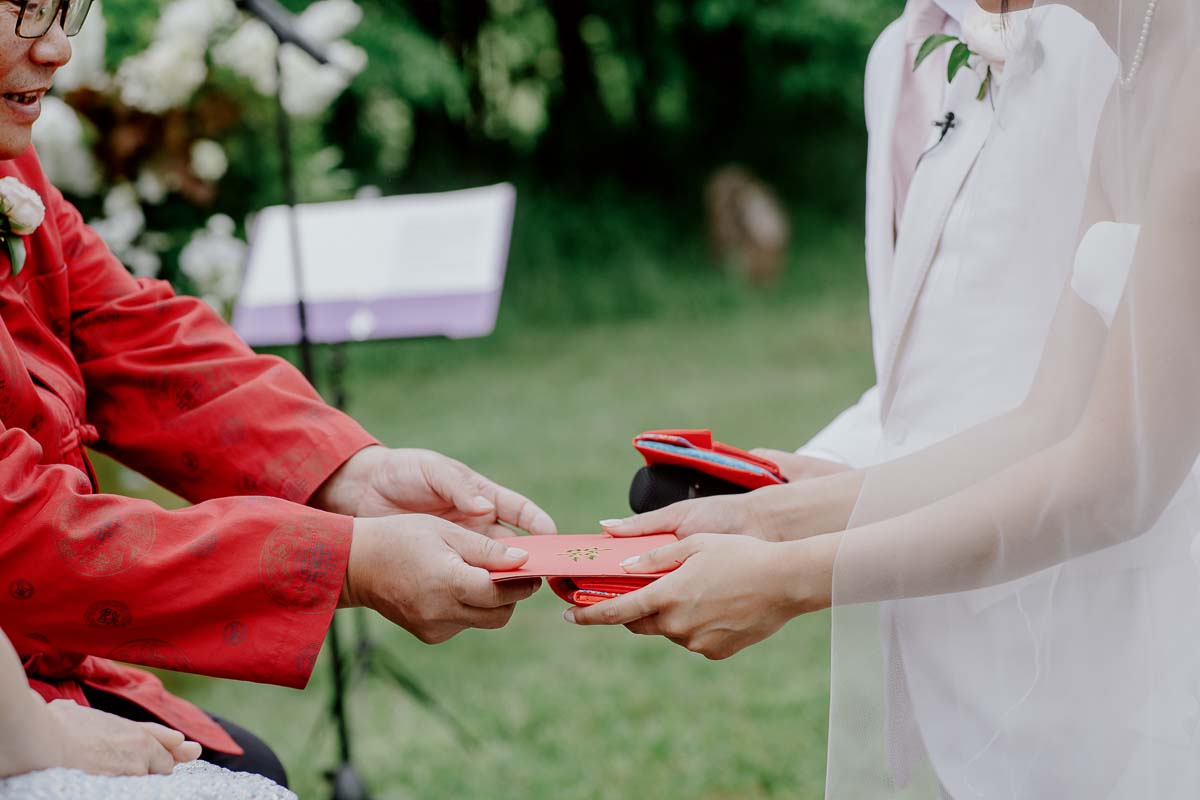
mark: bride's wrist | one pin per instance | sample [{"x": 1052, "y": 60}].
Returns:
[
  {"x": 806, "y": 508},
  {"x": 808, "y": 585}
]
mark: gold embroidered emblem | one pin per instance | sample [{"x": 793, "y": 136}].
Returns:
[{"x": 582, "y": 553}]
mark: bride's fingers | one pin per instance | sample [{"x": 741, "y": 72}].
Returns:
[
  {"x": 619, "y": 610},
  {"x": 645, "y": 627},
  {"x": 663, "y": 559},
  {"x": 663, "y": 520}
]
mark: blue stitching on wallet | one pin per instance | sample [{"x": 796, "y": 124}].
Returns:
[{"x": 704, "y": 455}]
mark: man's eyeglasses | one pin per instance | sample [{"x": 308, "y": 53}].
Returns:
[{"x": 36, "y": 17}]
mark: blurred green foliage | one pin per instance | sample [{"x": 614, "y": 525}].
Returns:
[
  {"x": 652, "y": 94},
  {"x": 609, "y": 115}
]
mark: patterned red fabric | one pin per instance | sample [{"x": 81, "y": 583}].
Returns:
[{"x": 241, "y": 585}]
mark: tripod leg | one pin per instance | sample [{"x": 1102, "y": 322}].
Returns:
[
  {"x": 347, "y": 784},
  {"x": 391, "y": 666}
]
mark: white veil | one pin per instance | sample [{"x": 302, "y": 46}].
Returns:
[{"x": 1016, "y": 607}]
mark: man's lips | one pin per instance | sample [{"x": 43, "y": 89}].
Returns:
[{"x": 27, "y": 97}]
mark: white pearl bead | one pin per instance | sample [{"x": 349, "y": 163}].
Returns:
[{"x": 1139, "y": 52}]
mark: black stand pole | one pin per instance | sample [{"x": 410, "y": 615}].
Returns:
[
  {"x": 367, "y": 658},
  {"x": 347, "y": 783}
]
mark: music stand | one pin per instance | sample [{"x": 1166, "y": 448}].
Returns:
[{"x": 381, "y": 268}]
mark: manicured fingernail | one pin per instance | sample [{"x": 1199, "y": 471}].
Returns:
[
  {"x": 629, "y": 562},
  {"x": 515, "y": 552},
  {"x": 569, "y": 616},
  {"x": 483, "y": 503},
  {"x": 611, "y": 523}
]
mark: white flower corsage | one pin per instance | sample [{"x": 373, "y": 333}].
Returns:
[{"x": 21, "y": 212}]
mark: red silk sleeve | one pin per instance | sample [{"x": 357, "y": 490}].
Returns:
[
  {"x": 237, "y": 587},
  {"x": 175, "y": 394}
]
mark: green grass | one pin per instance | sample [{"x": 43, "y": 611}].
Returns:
[{"x": 572, "y": 713}]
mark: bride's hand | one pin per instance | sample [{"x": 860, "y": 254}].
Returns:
[
  {"x": 781, "y": 513},
  {"x": 725, "y": 593},
  {"x": 727, "y": 513}
]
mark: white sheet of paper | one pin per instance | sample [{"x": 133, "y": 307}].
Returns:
[{"x": 402, "y": 246}]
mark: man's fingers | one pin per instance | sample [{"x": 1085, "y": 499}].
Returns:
[
  {"x": 662, "y": 520},
  {"x": 619, "y": 610},
  {"x": 662, "y": 559},
  {"x": 160, "y": 760},
  {"x": 168, "y": 738},
  {"x": 771, "y": 455},
  {"x": 492, "y": 618},
  {"x": 460, "y": 485},
  {"x": 475, "y": 588},
  {"x": 518, "y": 510},
  {"x": 188, "y": 751},
  {"x": 480, "y": 551}
]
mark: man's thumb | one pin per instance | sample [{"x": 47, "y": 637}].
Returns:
[{"x": 480, "y": 551}]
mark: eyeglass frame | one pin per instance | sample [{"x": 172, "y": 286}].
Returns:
[{"x": 60, "y": 14}]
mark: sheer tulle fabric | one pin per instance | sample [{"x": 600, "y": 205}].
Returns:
[{"x": 1017, "y": 606}]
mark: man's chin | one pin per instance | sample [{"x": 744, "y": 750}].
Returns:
[{"x": 13, "y": 144}]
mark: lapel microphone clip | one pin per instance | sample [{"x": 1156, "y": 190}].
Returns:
[{"x": 945, "y": 124}]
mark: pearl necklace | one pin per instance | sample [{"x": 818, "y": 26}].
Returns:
[{"x": 1139, "y": 54}]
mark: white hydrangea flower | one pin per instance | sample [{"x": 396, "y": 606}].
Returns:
[
  {"x": 123, "y": 218},
  {"x": 250, "y": 52},
  {"x": 151, "y": 186},
  {"x": 213, "y": 260},
  {"x": 61, "y": 140},
  {"x": 86, "y": 68},
  {"x": 327, "y": 20},
  {"x": 163, "y": 76},
  {"x": 208, "y": 160},
  {"x": 142, "y": 261},
  {"x": 309, "y": 87},
  {"x": 193, "y": 21}
]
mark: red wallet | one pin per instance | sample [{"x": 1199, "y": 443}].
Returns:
[
  {"x": 584, "y": 569},
  {"x": 696, "y": 449}
]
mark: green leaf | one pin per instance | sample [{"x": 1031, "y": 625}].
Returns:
[
  {"x": 983, "y": 87},
  {"x": 16, "y": 252},
  {"x": 959, "y": 57},
  {"x": 929, "y": 45}
]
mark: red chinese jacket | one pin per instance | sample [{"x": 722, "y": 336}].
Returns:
[{"x": 241, "y": 585}]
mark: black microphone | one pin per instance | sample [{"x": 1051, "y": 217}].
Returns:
[
  {"x": 946, "y": 123},
  {"x": 663, "y": 484},
  {"x": 283, "y": 23}
]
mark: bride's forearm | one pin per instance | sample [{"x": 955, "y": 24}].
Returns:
[{"x": 805, "y": 508}]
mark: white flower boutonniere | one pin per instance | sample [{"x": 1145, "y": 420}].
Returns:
[{"x": 21, "y": 212}]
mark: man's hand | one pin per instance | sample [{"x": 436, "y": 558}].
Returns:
[
  {"x": 378, "y": 482},
  {"x": 796, "y": 467},
  {"x": 430, "y": 576},
  {"x": 103, "y": 744},
  {"x": 725, "y": 593}
]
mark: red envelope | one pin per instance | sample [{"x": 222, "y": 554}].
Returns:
[{"x": 584, "y": 569}]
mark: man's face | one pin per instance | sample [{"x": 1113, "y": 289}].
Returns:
[{"x": 27, "y": 68}]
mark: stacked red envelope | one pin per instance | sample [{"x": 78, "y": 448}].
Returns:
[{"x": 584, "y": 569}]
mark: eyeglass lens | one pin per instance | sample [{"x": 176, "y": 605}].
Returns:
[{"x": 37, "y": 16}]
